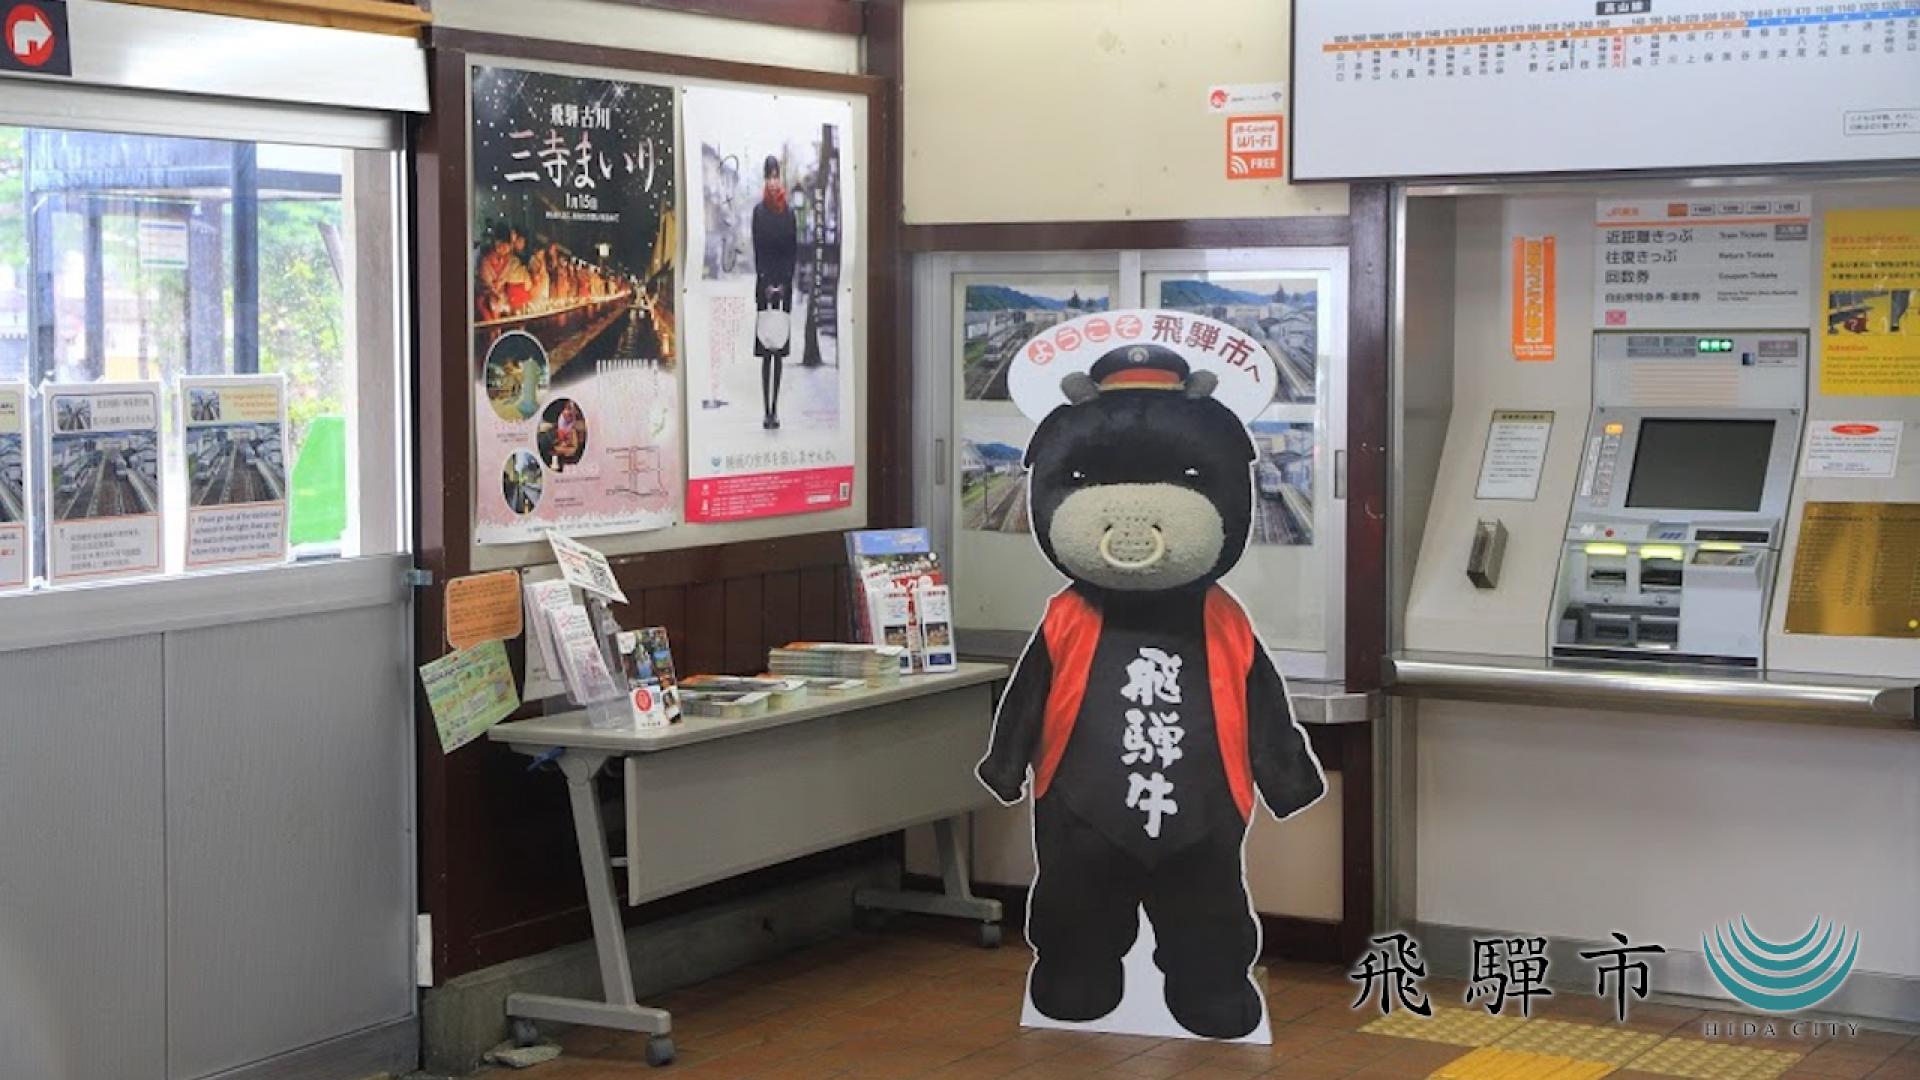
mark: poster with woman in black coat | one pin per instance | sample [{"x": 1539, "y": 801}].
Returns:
[{"x": 770, "y": 361}]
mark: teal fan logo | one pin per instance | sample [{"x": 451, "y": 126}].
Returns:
[{"x": 1780, "y": 978}]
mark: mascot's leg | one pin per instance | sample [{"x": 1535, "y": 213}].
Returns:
[
  {"x": 1206, "y": 939},
  {"x": 1082, "y": 918}
]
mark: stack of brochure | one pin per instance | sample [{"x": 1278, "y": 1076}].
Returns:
[
  {"x": 878, "y": 665},
  {"x": 781, "y": 693},
  {"x": 725, "y": 704}
]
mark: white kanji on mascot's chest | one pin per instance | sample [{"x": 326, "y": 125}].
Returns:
[
  {"x": 1152, "y": 680},
  {"x": 1145, "y": 718}
]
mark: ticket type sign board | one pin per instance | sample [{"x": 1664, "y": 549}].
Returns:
[
  {"x": 16, "y": 498},
  {"x": 235, "y": 452},
  {"x": 102, "y": 475}
]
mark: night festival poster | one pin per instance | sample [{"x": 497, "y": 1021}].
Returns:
[
  {"x": 772, "y": 409},
  {"x": 577, "y": 402}
]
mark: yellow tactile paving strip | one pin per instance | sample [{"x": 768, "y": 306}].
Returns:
[
  {"x": 1455, "y": 1027},
  {"x": 1616, "y": 1046},
  {"x": 1496, "y": 1063},
  {"x": 1714, "y": 1061},
  {"x": 1518, "y": 1048}
]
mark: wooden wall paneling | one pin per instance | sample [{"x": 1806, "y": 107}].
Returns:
[
  {"x": 819, "y": 604},
  {"x": 830, "y": 16},
  {"x": 1128, "y": 235},
  {"x": 442, "y": 525},
  {"x": 667, "y": 606},
  {"x": 706, "y": 627},
  {"x": 842, "y": 604},
  {"x": 745, "y": 653},
  {"x": 779, "y": 611},
  {"x": 1369, "y": 390},
  {"x": 1356, "y": 840}
]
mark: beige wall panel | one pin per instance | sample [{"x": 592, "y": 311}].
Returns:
[
  {"x": 623, "y": 26},
  {"x": 1087, "y": 110}
]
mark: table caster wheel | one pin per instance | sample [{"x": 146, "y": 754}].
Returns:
[
  {"x": 989, "y": 935},
  {"x": 659, "y": 1050},
  {"x": 525, "y": 1033}
]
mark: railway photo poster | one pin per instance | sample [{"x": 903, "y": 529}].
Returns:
[
  {"x": 234, "y": 429},
  {"x": 16, "y": 502},
  {"x": 771, "y": 357},
  {"x": 995, "y": 316},
  {"x": 101, "y": 473},
  {"x": 576, "y": 392},
  {"x": 1281, "y": 311}
]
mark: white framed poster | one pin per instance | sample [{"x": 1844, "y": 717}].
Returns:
[
  {"x": 234, "y": 434},
  {"x": 16, "y": 497},
  {"x": 576, "y": 400},
  {"x": 101, "y": 469},
  {"x": 772, "y": 417}
]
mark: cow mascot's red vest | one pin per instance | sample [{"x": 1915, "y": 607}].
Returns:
[{"x": 1145, "y": 710}]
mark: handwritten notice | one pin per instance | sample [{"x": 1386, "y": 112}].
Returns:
[
  {"x": 483, "y": 607},
  {"x": 1516, "y": 449},
  {"x": 469, "y": 691}
]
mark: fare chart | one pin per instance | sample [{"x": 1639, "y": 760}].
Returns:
[{"x": 1383, "y": 88}]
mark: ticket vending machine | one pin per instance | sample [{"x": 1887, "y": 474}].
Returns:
[{"x": 1681, "y": 505}]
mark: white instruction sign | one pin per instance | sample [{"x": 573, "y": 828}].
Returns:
[
  {"x": 1516, "y": 451},
  {"x": 585, "y": 568},
  {"x": 1858, "y": 448},
  {"x": 1703, "y": 263}
]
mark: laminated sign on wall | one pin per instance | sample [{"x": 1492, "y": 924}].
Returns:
[
  {"x": 16, "y": 501},
  {"x": 235, "y": 431},
  {"x": 102, "y": 470}
]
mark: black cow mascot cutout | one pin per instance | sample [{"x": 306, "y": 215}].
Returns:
[{"x": 1145, "y": 709}]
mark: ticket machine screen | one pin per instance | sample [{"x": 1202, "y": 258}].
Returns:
[{"x": 1700, "y": 465}]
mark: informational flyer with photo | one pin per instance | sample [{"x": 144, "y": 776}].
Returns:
[
  {"x": 234, "y": 430},
  {"x": 102, "y": 475},
  {"x": 772, "y": 410},
  {"x": 16, "y": 502},
  {"x": 576, "y": 397}
]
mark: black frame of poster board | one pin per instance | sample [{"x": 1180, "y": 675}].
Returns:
[{"x": 501, "y": 888}]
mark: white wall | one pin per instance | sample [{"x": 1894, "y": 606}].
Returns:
[
  {"x": 1575, "y": 824},
  {"x": 1087, "y": 110},
  {"x": 623, "y": 26}
]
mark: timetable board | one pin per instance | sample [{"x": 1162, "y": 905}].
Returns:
[{"x": 1488, "y": 88}]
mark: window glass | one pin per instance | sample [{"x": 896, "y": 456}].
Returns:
[{"x": 130, "y": 258}]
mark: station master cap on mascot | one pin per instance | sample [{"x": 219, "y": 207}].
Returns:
[{"x": 1145, "y": 714}]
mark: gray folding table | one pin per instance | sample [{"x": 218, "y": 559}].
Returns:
[{"x": 710, "y": 798}]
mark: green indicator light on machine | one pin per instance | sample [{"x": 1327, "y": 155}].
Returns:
[{"x": 1716, "y": 345}]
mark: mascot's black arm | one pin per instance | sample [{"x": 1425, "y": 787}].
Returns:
[
  {"x": 1284, "y": 768},
  {"x": 1017, "y": 726}
]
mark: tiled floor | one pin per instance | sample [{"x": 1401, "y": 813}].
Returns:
[{"x": 919, "y": 1000}]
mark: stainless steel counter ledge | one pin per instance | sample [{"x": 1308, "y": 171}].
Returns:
[{"x": 1792, "y": 697}]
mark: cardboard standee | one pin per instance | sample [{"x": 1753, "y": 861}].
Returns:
[{"x": 1144, "y": 773}]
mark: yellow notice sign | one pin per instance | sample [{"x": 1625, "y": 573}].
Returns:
[
  {"x": 1857, "y": 571},
  {"x": 483, "y": 607},
  {"x": 1872, "y": 343}
]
